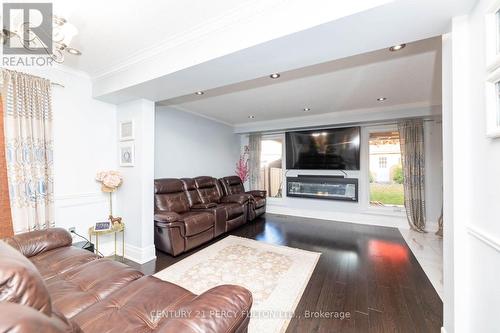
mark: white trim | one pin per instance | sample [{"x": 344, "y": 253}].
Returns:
[
  {"x": 342, "y": 118},
  {"x": 493, "y": 242},
  {"x": 244, "y": 12},
  {"x": 140, "y": 255},
  {"x": 183, "y": 109},
  {"x": 79, "y": 199},
  {"x": 443, "y": 330},
  {"x": 341, "y": 216}
]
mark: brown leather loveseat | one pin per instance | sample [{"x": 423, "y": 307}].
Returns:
[{"x": 46, "y": 285}]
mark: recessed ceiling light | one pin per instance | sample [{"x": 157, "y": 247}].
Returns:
[
  {"x": 251, "y": 117},
  {"x": 306, "y": 109},
  {"x": 397, "y": 47},
  {"x": 274, "y": 76},
  {"x": 381, "y": 99},
  {"x": 199, "y": 93}
]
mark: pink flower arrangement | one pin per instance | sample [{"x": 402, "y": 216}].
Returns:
[
  {"x": 242, "y": 169},
  {"x": 110, "y": 180}
]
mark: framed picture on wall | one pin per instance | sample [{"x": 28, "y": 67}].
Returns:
[
  {"x": 127, "y": 154},
  {"x": 126, "y": 130}
]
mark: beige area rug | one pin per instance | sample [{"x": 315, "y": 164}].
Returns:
[{"x": 276, "y": 275}]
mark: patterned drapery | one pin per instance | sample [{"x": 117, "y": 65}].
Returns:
[
  {"x": 28, "y": 140},
  {"x": 5, "y": 217},
  {"x": 411, "y": 135},
  {"x": 254, "y": 147}
]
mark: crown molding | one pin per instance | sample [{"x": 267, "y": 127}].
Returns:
[
  {"x": 345, "y": 116},
  {"x": 180, "y": 108},
  {"x": 244, "y": 12}
]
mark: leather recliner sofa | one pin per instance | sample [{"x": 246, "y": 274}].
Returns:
[
  {"x": 190, "y": 212},
  {"x": 257, "y": 203},
  {"x": 179, "y": 226},
  {"x": 46, "y": 285}
]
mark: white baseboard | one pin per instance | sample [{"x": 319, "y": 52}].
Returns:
[
  {"x": 359, "y": 218},
  {"x": 140, "y": 255},
  {"x": 443, "y": 330}
]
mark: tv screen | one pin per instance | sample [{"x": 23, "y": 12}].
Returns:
[{"x": 325, "y": 149}]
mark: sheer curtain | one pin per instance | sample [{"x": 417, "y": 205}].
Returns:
[
  {"x": 254, "y": 147},
  {"x": 411, "y": 135},
  {"x": 28, "y": 140}
]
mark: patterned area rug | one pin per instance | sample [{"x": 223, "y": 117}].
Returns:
[{"x": 276, "y": 276}]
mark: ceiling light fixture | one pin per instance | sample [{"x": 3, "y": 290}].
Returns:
[
  {"x": 381, "y": 99},
  {"x": 398, "y": 47},
  {"x": 251, "y": 117},
  {"x": 306, "y": 109},
  {"x": 274, "y": 75},
  {"x": 62, "y": 34},
  {"x": 199, "y": 93}
]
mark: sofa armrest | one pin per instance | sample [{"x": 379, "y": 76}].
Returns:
[
  {"x": 224, "y": 308},
  {"x": 24, "y": 319},
  {"x": 236, "y": 198},
  {"x": 204, "y": 206},
  {"x": 35, "y": 242},
  {"x": 258, "y": 193},
  {"x": 167, "y": 217}
]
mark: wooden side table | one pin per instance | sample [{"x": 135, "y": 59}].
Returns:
[{"x": 116, "y": 228}]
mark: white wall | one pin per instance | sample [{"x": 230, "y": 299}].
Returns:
[
  {"x": 187, "y": 145},
  {"x": 360, "y": 212},
  {"x": 135, "y": 197},
  {"x": 473, "y": 303},
  {"x": 84, "y": 142}
]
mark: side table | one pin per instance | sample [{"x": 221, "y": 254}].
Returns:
[{"x": 116, "y": 228}]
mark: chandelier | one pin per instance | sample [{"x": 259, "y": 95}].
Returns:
[{"x": 62, "y": 34}]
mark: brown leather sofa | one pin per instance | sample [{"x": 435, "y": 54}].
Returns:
[
  {"x": 178, "y": 228},
  {"x": 232, "y": 185},
  {"x": 46, "y": 285},
  {"x": 190, "y": 212}
]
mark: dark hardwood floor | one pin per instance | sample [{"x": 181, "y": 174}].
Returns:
[{"x": 368, "y": 271}]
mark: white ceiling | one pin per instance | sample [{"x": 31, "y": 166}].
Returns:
[
  {"x": 113, "y": 33},
  {"x": 410, "y": 76}
]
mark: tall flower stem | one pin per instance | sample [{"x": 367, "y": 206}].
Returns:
[{"x": 110, "y": 203}]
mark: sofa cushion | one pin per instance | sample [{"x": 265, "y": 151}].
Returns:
[
  {"x": 196, "y": 222},
  {"x": 208, "y": 189},
  {"x": 85, "y": 285},
  {"x": 20, "y": 281},
  {"x": 141, "y": 306},
  {"x": 61, "y": 260},
  {"x": 233, "y": 210},
  {"x": 170, "y": 196}
]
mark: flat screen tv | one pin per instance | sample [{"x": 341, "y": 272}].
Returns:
[{"x": 325, "y": 149}]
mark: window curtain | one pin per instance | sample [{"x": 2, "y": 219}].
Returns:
[
  {"x": 411, "y": 135},
  {"x": 254, "y": 147},
  {"x": 28, "y": 140},
  {"x": 439, "y": 232},
  {"x": 5, "y": 217}
]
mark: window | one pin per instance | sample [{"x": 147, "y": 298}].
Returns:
[
  {"x": 386, "y": 172},
  {"x": 271, "y": 165},
  {"x": 382, "y": 162}
]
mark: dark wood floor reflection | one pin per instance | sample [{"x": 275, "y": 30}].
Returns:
[{"x": 367, "y": 271}]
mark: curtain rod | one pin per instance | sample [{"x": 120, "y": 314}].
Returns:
[
  {"x": 51, "y": 82},
  {"x": 374, "y": 123}
]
